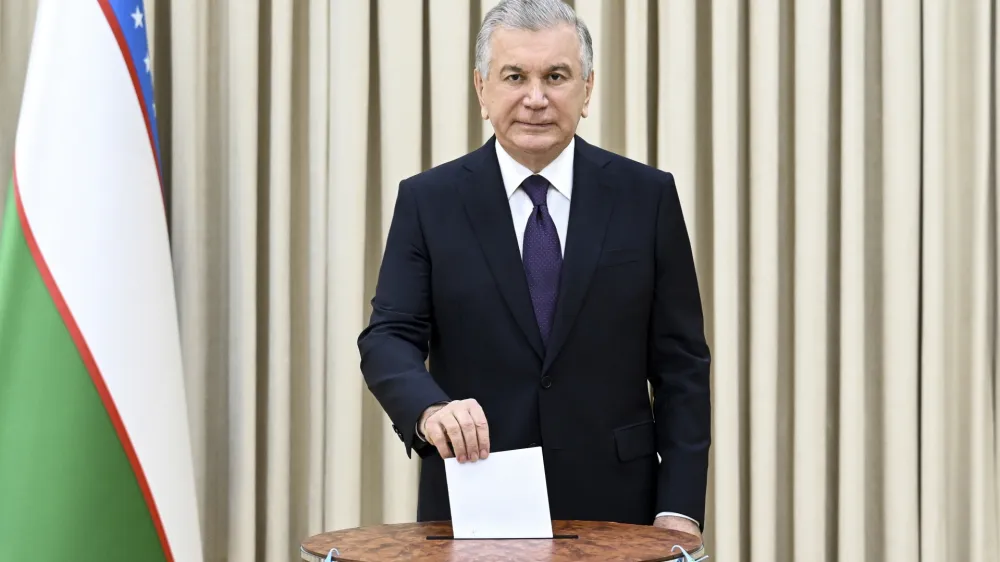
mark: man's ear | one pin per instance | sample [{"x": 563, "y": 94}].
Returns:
[
  {"x": 589, "y": 88},
  {"x": 478, "y": 83}
]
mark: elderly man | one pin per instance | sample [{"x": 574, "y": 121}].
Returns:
[{"x": 548, "y": 281}]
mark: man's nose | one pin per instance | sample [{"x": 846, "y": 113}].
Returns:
[{"x": 535, "y": 96}]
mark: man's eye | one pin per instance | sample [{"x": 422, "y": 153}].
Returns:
[
  {"x": 555, "y": 77},
  {"x": 513, "y": 77}
]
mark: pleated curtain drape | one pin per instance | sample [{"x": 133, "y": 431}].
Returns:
[{"x": 837, "y": 167}]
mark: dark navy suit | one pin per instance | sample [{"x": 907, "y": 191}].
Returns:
[{"x": 452, "y": 287}]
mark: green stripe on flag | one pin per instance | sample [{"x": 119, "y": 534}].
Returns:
[{"x": 67, "y": 490}]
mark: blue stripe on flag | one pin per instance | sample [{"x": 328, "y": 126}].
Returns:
[{"x": 131, "y": 15}]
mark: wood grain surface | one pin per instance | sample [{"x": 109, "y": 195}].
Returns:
[{"x": 408, "y": 541}]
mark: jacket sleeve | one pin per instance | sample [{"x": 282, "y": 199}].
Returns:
[
  {"x": 393, "y": 347},
  {"x": 679, "y": 367}
]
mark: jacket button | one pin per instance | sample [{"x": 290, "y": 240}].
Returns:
[{"x": 546, "y": 381}]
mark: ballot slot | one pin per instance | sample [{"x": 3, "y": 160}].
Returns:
[{"x": 452, "y": 538}]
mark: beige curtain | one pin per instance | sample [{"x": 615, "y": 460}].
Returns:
[{"x": 837, "y": 161}]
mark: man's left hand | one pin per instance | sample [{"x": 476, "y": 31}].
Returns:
[{"x": 675, "y": 523}]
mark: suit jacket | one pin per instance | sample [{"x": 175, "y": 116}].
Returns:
[{"x": 452, "y": 288}]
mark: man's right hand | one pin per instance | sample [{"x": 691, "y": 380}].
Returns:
[{"x": 457, "y": 429}]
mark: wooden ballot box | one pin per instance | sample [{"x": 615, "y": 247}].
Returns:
[{"x": 574, "y": 541}]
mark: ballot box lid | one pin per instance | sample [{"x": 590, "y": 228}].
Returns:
[{"x": 574, "y": 541}]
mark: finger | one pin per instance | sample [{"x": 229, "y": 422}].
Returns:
[
  {"x": 438, "y": 438},
  {"x": 482, "y": 429},
  {"x": 469, "y": 433},
  {"x": 454, "y": 431}
]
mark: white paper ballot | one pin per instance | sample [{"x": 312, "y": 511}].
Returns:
[{"x": 501, "y": 497}]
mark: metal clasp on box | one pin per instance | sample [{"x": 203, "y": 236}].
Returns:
[{"x": 688, "y": 557}]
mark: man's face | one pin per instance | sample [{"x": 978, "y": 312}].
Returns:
[{"x": 534, "y": 94}]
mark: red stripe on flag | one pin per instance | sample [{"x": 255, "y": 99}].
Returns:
[{"x": 91, "y": 366}]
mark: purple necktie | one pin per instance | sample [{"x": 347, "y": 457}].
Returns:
[{"x": 542, "y": 255}]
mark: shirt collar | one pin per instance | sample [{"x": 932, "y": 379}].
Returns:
[{"x": 559, "y": 172}]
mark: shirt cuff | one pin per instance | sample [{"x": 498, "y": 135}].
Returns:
[
  {"x": 416, "y": 426},
  {"x": 671, "y": 513}
]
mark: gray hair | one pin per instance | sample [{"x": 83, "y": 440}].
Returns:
[{"x": 532, "y": 15}]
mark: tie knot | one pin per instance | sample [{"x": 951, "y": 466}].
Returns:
[{"x": 536, "y": 187}]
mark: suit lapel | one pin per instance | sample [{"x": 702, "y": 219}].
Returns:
[
  {"x": 590, "y": 209},
  {"x": 486, "y": 202}
]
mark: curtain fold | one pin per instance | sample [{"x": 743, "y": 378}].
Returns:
[
  {"x": 837, "y": 168},
  {"x": 903, "y": 35},
  {"x": 853, "y": 410},
  {"x": 729, "y": 281},
  {"x": 340, "y": 116},
  {"x": 768, "y": 279}
]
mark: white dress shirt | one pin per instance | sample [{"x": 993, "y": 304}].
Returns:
[{"x": 559, "y": 174}]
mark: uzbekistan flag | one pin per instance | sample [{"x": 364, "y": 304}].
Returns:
[{"x": 95, "y": 456}]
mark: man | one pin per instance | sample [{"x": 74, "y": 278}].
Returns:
[{"x": 548, "y": 280}]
